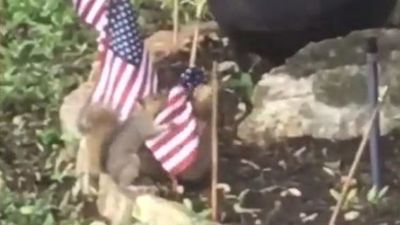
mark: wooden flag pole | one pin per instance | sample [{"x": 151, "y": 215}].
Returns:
[
  {"x": 214, "y": 134},
  {"x": 175, "y": 18},
  {"x": 193, "y": 52},
  {"x": 214, "y": 142}
]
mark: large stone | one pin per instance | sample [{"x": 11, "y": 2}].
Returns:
[
  {"x": 146, "y": 209},
  {"x": 69, "y": 110},
  {"x": 156, "y": 211},
  {"x": 322, "y": 91}
]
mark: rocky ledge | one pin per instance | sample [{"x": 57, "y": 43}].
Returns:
[{"x": 321, "y": 91}]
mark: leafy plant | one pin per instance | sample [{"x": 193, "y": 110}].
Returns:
[
  {"x": 375, "y": 196},
  {"x": 43, "y": 52},
  {"x": 242, "y": 83},
  {"x": 188, "y": 9},
  {"x": 39, "y": 51},
  {"x": 35, "y": 209},
  {"x": 351, "y": 198}
]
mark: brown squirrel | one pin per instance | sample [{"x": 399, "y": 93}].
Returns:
[
  {"x": 113, "y": 133},
  {"x": 112, "y": 144},
  {"x": 119, "y": 156}
]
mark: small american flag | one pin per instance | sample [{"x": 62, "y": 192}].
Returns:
[
  {"x": 127, "y": 75},
  {"x": 176, "y": 148},
  {"x": 126, "y": 68}
]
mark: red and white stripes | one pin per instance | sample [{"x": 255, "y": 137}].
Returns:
[
  {"x": 121, "y": 84},
  {"x": 176, "y": 148}
]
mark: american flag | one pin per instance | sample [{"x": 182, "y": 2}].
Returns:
[
  {"x": 126, "y": 68},
  {"x": 127, "y": 75},
  {"x": 176, "y": 148}
]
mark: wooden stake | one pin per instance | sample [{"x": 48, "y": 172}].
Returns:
[
  {"x": 175, "y": 18},
  {"x": 214, "y": 142},
  {"x": 356, "y": 161},
  {"x": 193, "y": 51}
]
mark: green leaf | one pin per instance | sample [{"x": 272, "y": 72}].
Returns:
[
  {"x": 335, "y": 194},
  {"x": 352, "y": 194},
  {"x": 49, "y": 136},
  {"x": 49, "y": 8},
  {"x": 372, "y": 193},
  {"x": 49, "y": 220},
  {"x": 19, "y": 17},
  {"x": 36, "y": 4},
  {"x": 241, "y": 82},
  {"x": 27, "y": 210},
  {"x": 383, "y": 191}
]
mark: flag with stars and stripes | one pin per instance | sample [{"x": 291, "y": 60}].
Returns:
[
  {"x": 126, "y": 68},
  {"x": 176, "y": 148},
  {"x": 127, "y": 75}
]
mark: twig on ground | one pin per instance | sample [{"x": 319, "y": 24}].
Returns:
[
  {"x": 214, "y": 140},
  {"x": 356, "y": 160}
]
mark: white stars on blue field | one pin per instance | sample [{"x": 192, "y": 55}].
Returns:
[{"x": 123, "y": 31}]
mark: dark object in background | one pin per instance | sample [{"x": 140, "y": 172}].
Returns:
[{"x": 276, "y": 29}]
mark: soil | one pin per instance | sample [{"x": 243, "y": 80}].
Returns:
[{"x": 304, "y": 164}]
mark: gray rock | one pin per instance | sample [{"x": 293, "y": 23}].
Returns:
[
  {"x": 321, "y": 91},
  {"x": 153, "y": 210},
  {"x": 70, "y": 108}
]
